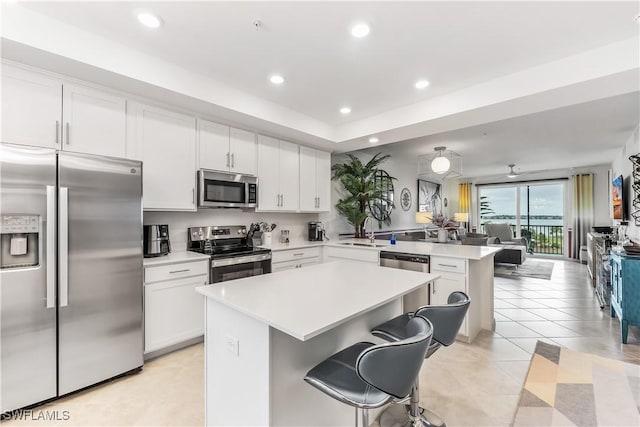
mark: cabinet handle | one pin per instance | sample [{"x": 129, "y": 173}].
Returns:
[
  {"x": 68, "y": 133},
  {"x": 180, "y": 271},
  {"x": 299, "y": 254},
  {"x": 233, "y": 160},
  {"x": 228, "y": 159},
  {"x": 447, "y": 265},
  {"x": 193, "y": 195},
  {"x": 281, "y": 200},
  {"x": 57, "y": 132}
]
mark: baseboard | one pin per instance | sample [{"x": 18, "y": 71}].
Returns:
[{"x": 157, "y": 353}]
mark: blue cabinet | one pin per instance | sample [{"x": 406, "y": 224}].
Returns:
[{"x": 625, "y": 291}]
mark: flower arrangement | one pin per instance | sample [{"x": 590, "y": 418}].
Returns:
[{"x": 442, "y": 221}]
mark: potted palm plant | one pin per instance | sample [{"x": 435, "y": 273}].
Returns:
[{"x": 361, "y": 188}]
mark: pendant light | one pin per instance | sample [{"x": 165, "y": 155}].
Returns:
[{"x": 440, "y": 164}]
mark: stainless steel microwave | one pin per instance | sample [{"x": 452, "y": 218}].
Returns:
[{"x": 226, "y": 190}]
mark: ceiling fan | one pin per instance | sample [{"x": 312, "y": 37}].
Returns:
[{"x": 512, "y": 174}]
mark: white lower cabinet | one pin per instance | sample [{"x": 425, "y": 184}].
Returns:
[
  {"x": 453, "y": 277},
  {"x": 173, "y": 310},
  {"x": 333, "y": 253},
  {"x": 295, "y": 258}
]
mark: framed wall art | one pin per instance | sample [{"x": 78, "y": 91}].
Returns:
[
  {"x": 429, "y": 197},
  {"x": 405, "y": 199}
]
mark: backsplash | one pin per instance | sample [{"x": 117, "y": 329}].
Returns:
[{"x": 178, "y": 222}]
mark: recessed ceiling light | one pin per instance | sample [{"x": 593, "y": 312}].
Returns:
[
  {"x": 360, "y": 30},
  {"x": 276, "y": 79},
  {"x": 373, "y": 140},
  {"x": 421, "y": 84},
  {"x": 149, "y": 20},
  {"x": 345, "y": 110}
]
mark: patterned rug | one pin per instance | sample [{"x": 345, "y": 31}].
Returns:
[
  {"x": 530, "y": 268},
  {"x": 568, "y": 388}
]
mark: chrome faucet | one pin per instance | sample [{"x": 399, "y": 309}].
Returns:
[{"x": 372, "y": 237}]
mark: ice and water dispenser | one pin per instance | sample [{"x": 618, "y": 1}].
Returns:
[{"x": 20, "y": 240}]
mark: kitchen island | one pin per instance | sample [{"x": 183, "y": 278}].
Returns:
[{"x": 263, "y": 334}]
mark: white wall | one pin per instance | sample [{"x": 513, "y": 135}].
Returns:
[
  {"x": 622, "y": 166},
  {"x": 407, "y": 176},
  {"x": 180, "y": 221}
]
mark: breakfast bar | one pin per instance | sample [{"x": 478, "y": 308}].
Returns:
[{"x": 264, "y": 333}]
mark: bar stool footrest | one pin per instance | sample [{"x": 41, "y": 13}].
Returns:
[{"x": 398, "y": 416}]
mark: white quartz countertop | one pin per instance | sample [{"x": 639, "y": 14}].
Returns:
[
  {"x": 174, "y": 258},
  {"x": 417, "y": 248},
  {"x": 306, "y": 302},
  {"x": 442, "y": 249}
]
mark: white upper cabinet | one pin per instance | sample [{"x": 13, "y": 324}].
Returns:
[
  {"x": 31, "y": 108},
  {"x": 289, "y": 176},
  {"x": 42, "y": 111},
  {"x": 95, "y": 122},
  {"x": 213, "y": 142},
  {"x": 278, "y": 168},
  {"x": 243, "y": 149},
  {"x": 315, "y": 180},
  {"x": 166, "y": 143},
  {"x": 226, "y": 149}
]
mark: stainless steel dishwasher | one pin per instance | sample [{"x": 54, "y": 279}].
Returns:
[{"x": 413, "y": 262}]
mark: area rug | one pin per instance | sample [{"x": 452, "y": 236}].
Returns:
[
  {"x": 530, "y": 268},
  {"x": 568, "y": 388}
]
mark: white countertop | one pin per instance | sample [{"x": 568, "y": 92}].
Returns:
[
  {"x": 443, "y": 249},
  {"x": 306, "y": 302},
  {"x": 174, "y": 257},
  {"x": 418, "y": 248}
]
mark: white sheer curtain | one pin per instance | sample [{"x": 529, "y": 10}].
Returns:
[{"x": 582, "y": 211}]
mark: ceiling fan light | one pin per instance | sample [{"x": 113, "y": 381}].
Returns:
[{"x": 440, "y": 165}]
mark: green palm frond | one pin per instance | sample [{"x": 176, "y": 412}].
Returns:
[{"x": 361, "y": 189}]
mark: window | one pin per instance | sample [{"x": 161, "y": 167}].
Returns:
[{"x": 534, "y": 211}]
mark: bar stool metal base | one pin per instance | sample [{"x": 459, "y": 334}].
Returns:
[{"x": 399, "y": 416}]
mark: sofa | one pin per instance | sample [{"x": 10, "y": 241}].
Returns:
[{"x": 514, "y": 250}]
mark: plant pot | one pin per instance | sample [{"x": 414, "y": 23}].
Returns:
[{"x": 443, "y": 235}]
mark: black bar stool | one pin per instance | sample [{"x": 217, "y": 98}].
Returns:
[
  {"x": 446, "y": 321},
  {"x": 368, "y": 376}
]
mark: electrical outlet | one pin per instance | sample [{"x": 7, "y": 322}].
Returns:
[{"x": 233, "y": 345}]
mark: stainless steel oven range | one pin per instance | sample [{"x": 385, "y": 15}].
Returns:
[{"x": 231, "y": 255}]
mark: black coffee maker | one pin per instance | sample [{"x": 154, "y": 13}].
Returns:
[{"x": 316, "y": 231}]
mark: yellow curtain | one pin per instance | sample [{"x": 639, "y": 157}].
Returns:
[
  {"x": 583, "y": 214},
  {"x": 464, "y": 197}
]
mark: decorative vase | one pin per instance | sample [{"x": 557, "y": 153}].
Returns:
[{"x": 443, "y": 235}]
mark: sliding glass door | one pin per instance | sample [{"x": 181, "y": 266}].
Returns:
[{"x": 535, "y": 211}]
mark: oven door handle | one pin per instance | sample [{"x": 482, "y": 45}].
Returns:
[{"x": 239, "y": 260}]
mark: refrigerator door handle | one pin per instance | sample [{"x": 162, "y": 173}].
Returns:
[
  {"x": 51, "y": 246},
  {"x": 63, "y": 235}
]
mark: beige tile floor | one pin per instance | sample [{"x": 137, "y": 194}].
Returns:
[{"x": 474, "y": 384}]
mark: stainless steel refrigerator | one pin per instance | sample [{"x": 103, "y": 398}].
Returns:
[{"x": 70, "y": 272}]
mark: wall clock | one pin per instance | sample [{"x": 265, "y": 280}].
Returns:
[{"x": 405, "y": 199}]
